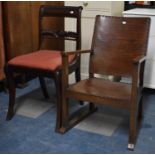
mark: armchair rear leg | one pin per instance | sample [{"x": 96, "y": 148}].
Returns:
[
  {"x": 12, "y": 93},
  {"x": 140, "y": 110},
  {"x": 77, "y": 74},
  {"x": 132, "y": 133},
  {"x": 78, "y": 78}
]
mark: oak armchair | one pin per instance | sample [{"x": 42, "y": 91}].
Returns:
[{"x": 119, "y": 46}]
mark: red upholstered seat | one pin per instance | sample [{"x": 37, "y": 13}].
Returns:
[{"x": 43, "y": 59}]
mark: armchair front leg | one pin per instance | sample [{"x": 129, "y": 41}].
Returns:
[
  {"x": 67, "y": 120},
  {"x": 136, "y": 100}
]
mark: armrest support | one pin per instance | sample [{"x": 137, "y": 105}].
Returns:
[
  {"x": 76, "y": 52},
  {"x": 65, "y": 66},
  {"x": 139, "y": 59},
  {"x": 138, "y": 72}
]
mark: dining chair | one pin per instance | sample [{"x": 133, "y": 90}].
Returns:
[{"x": 45, "y": 62}]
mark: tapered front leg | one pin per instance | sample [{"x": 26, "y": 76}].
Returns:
[
  {"x": 132, "y": 132},
  {"x": 133, "y": 125}
]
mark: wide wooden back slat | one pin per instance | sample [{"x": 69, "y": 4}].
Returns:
[{"x": 116, "y": 42}]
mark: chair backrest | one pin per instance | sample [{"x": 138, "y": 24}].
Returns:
[
  {"x": 61, "y": 11},
  {"x": 116, "y": 42}
]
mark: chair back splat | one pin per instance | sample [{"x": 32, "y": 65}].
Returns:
[
  {"x": 118, "y": 48},
  {"x": 68, "y": 12}
]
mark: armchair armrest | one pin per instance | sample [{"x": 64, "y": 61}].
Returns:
[
  {"x": 138, "y": 72},
  {"x": 139, "y": 59},
  {"x": 65, "y": 65},
  {"x": 76, "y": 52}
]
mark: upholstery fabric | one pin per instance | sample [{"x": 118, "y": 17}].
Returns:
[{"x": 42, "y": 59}]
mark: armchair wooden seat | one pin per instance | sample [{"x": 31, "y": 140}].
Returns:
[
  {"x": 102, "y": 91},
  {"x": 119, "y": 46}
]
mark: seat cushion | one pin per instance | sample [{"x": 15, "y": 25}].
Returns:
[
  {"x": 103, "y": 89},
  {"x": 48, "y": 60}
]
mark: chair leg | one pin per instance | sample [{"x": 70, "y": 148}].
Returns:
[
  {"x": 43, "y": 87},
  {"x": 132, "y": 133},
  {"x": 133, "y": 128},
  {"x": 78, "y": 78},
  {"x": 12, "y": 93},
  {"x": 65, "y": 115},
  {"x": 77, "y": 74},
  {"x": 57, "y": 81},
  {"x": 140, "y": 110}
]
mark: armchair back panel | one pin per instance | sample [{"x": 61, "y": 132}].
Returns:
[{"x": 115, "y": 47}]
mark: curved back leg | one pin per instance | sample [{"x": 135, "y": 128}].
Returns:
[{"x": 12, "y": 92}]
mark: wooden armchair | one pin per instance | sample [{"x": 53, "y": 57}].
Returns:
[
  {"x": 47, "y": 63},
  {"x": 119, "y": 47}
]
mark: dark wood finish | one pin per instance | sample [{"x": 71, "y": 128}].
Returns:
[
  {"x": 118, "y": 48},
  {"x": 48, "y": 12},
  {"x": 2, "y": 57}
]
